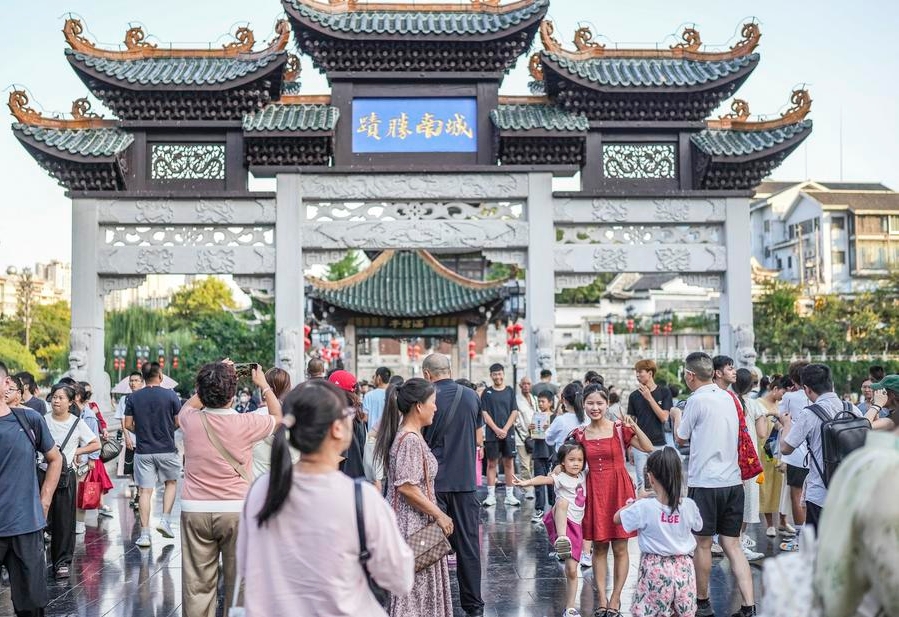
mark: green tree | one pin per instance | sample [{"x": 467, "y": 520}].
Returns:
[
  {"x": 49, "y": 331},
  {"x": 17, "y": 357},
  {"x": 204, "y": 296},
  {"x": 345, "y": 267},
  {"x": 588, "y": 294},
  {"x": 777, "y": 323}
]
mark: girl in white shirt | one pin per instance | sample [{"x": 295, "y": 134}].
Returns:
[
  {"x": 567, "y": 515},
  {"x": 665, "y": 522}
]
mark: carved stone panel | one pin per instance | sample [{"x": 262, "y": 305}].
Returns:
[
  {"x": 577, "y": 258},
  {"x": 624, "y": 210},
  {"x": 109, "y": 284},
  {"x": 573, "y": 281},
  {"x": 639, "y": 161},
  {"x": 187, "y": 162},
  {"x": 710, "y": 281},
  {"x": 417, "y": 234},
  {"x": 513, "y": 258},
  {"x": 131, "y": 260},
  {"x": 249, "y": 283},
  {"x": 413, "y": 210},
  {"x": 187, "y": 235},
  {"x": 321, "y": 258},
  {"x": 639, "y": 234},
  {"x": 426, "y": 186},
  {"x": 228, "y": 212}
]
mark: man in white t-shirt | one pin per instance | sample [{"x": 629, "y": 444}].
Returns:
[
  {"x": 792, "y": 403},
  {"x": 710, "y": 423}
]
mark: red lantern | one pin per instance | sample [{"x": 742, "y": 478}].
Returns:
[
  {"x": 668, "y": 328},
  {"x": 656, "y": 329},
  {"x": 630, "y": 325},
  {"x": 161, "y": 361},
  {"x": 610, "y": 328},
  {"x": 517, "y": 328},
  {"x": 471, "y": 350},
  {"x": 307, "y": 341},
  {"x": 175, "y": 362}
]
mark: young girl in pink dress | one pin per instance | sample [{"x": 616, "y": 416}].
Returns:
[{"x": 567, "y": 514}]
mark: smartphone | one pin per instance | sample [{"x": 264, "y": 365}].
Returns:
[{"x": 245, "y": 371}]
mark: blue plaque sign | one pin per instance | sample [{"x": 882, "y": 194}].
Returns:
[{"x": 415, "y": 125}]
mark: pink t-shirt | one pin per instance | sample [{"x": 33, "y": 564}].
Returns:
[
  {"x": 210, "y": 482},
  {"x": 305, "y": 560}
]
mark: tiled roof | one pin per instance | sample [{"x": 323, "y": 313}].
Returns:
[
  {"x": 523, "y": 117},
  {"x": 290, "y": 88},
  {"x": 741, "y": 143},
  {"x": 96, "y": 142},
  {"x": 651, "y": 72},
  {"x": 888, "y": 200},
  {"x": 400, "y": 23},
  {"x": 184, "y": 71},
  {"x": 406, "y": 284},
  {"x": 854, "y": 186},
  {"x": 298, "y": 117}
]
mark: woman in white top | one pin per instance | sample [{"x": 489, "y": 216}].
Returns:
[
  {"x": 756, "y": 423},
  {"x": 573, "y": 416},
  {"x": 75, "y": 440},
  {"x": 278, "y": 380},
  {"x": 298, "y": 549}
]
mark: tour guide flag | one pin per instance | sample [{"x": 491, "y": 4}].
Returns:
[{"x": 415, "y": 125}]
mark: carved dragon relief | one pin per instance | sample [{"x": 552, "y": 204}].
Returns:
[
  {"x": 738, "y": 119},
  {"x": 82, "y": 117}
]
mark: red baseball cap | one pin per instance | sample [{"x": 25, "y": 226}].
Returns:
[{"x": 344, "y": 380}]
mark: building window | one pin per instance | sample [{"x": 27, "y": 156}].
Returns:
[
  {"x": 838, "y": 222},
  {"x": 767, "y": 226},
  {"x": 767, "y": 253},
  {"x": 839, "y": 258},
  {"x": 187, "y": 162},
  {"x": 790, "y": 262},
  {"x": 780, "y": 264},
  {"x": 639, "y": 161},
  {"x": 894, "y": 224}
]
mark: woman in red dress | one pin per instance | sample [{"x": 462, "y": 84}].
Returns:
[{"x": 609, "y": 486}]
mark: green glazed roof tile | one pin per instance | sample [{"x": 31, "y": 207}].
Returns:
[
  {"x": 299, "y": 117},
  {"x": 98, "y": 142},
  {"x": 176, "y": 71},
  {"x": 424, "y": 22},
  {"x": 651, "y": 72},
  {"x": 290, "y": 88},
  {"x": 740, "y": 143},
  {"x": 406, "y": 284},
  {"x": 523, "y": 117}
]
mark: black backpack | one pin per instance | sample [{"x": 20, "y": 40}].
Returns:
[{"x": 840, "y": 436}]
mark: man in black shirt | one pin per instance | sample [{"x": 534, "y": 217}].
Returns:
[
  {"x": 500, "y": 409},
  {"x": 454, "y": 437},
  {"x": 650, "y": 405}
]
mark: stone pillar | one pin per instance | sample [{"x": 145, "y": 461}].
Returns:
[
  {"x": 350, "y": 350},
  {"x": 736, "y": 332},
  {"x": 86, "y": 343},
  {"x": 461, "y": 360},
  {"x": 290, "y": 297},
  {"x": 540, "y": 281}
]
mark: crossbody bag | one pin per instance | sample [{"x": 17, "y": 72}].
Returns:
[{"x": 217, "y": 444}]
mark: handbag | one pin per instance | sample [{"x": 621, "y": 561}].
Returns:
[
  {"x": 109, "y": 450},
  {"x": 747, "y": 457},
  {"x": 382, "y": 596},
  {"x": 428, "y": 544},
  {"x": 89, "y": 491}
]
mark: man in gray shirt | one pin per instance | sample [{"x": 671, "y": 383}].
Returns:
[{"x": 817, "y": 382}]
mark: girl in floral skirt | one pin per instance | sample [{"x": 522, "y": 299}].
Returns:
[
  {"x": 563, "y": 522},
  {"x": 665, "y": 523}
]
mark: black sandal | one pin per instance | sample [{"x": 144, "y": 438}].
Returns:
[
  {"x": 600, "y": 612},
  {"x": 613, "y": 612}
]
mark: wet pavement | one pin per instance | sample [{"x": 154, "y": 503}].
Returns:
[{"x": 112, "y": 577}]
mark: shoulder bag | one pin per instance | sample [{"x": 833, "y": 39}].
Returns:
[
  {"x": 429, "y": 544},
  {"x": 747, "y": 456},
  {"x": 381, "y": 595},
  {"x": 217, "y": 444}
]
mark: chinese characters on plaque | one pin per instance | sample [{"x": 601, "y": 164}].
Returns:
[{"x": 415, "y": 125}]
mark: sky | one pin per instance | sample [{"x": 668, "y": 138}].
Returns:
[{"x": 843, "y": 51}]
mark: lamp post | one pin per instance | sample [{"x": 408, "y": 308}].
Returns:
[
  {"x": 119, "y": 354},
  {"x": 142, "y": 354}
]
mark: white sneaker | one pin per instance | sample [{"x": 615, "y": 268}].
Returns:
[
  {"x": 586, "y": 560},
  {"x": 490, "y": 501},
  {"x": 716, "y": 549},
  {"x": 752, "y": 555},
  {"x": 571, "y": 612},
  {"x": 79, "y": 527},
  {"x": 529, "y": 493},
  {"x": 747, "y": 542},
  {"x": 143, "y": 541},
  {"x": 165, "y": 528},
  {"x": 771, "y": 532},
  {"x": 511, "y": 500}
]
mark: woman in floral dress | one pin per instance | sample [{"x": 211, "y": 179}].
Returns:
[{"x": 410, "y": 469}]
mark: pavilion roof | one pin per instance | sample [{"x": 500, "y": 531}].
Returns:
[
  {"x": 531, "y": 115},
  {"x": 651, "y": 72},
  {"x": 418, "y": 19},
  {"x": 729, "y": 143},
  {"x": 407, "y": 284},
  {"x": 100, "y": 142},
  {"x": 292, "y": 117}
]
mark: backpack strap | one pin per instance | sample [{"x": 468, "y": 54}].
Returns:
[
  {"x": 29, "y": 430},
  {"x": 822, "y": 415},
  {"x": 435, "y": 435},
  {"x": 364, "y": 555}
]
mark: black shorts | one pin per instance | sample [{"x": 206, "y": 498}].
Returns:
[
  {"x": 721, "y": 510},
  {"x": 796, "y": 476},
  {"x": 496, "y": 449}
]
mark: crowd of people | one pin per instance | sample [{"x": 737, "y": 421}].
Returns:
[{"x": 273, "y": 476}]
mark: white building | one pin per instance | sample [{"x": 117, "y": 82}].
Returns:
[
  {"x": 50, "y": 283},
  {"x": 828, "y": 237}
]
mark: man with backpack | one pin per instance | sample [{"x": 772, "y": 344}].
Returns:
[
  {"x": 832, "y": 429},
  {"x": 23, "y": 516}
]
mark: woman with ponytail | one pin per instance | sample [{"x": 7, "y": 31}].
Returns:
[
  {"x": 410, "y": 469},
  {"x": 573, "y": 416},
  {"x": 298, "y": 548}
]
